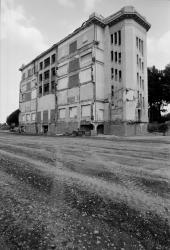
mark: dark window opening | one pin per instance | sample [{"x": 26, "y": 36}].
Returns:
[
  {"x": 40, "y": 77},
  {"x": 111, "y": 38},
  {"x": 120, "y": 57},
  {"x": 115, "y": 38},
  {"x": 116, "y": 56},
  {"x": 119, "y": 37},
  {"x": 45, "y": 129},
  {"x": 46, "y": 88},
  {"x": 112, "y": 90},
  {"x": 53, "y": 86},
  {"x": 53, "y": 71},
  {"x": 53, "y": 58},
  {"x": 120, "y": 75},
  {"x": 137, "y": 42},
  {"x": 47, "y": 62},
  {"x": 46, "y": 74},
  {"x": 139, "y": 115},
  {"x": 112, "y": 73},
  {"x": 41, "y": 65},
  {"x": 115, "y": 74},
  {"x": 112, "y": 55},
  {"x": 40, "y": 90}
]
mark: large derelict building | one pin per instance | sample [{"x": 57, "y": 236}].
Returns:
[{"x": 95, "y": 79}]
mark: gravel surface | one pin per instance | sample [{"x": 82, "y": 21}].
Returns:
[{"x": 84, "y": 193}]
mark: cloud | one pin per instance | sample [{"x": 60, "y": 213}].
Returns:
[
  {"x": 158, "y": 50},
  {"x": 66, "y": 3},
  {"x": 90, "y": 4},
  {"x": 18, "y": 28}
]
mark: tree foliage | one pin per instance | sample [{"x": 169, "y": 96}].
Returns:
[
  {"x": 13, "y": 118},
  {"x": 158, "y": 91}
]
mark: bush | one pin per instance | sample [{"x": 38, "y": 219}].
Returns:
[{"x": 157, "y": 127}]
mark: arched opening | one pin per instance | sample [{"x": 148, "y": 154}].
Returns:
[
  {"x": 87, "y": 127},
  {"x": 100, "y": 129}
]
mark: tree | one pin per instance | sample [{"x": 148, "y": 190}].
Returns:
[
  {"x": 13, "y": 118},
  {"x": 158, "y": 91}
]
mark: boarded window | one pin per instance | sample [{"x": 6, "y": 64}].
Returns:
[
  {"x": 85, "y": 75},
  {"x": 28, "y": 96},
  {"x": 33, "y": 94},
  {"x": 62, "y": 113},
  {"x": 33, "y": 116},
  {"x": 62, "y": 70},
  {"x": 72, "y": 47},
  {"x": 45, "y": 116},
  {"x": 52, "y": 116},
  {"x": 86, "y": 59},
  {"x": 27, "y": 117},
  {"x": 62, "y": 83},
  {"x": 39, "y": 117},
  {"x": 74, "y": 65},
  {"x": 73, "y": 112},
  {"x": 28, "y": 86},
  {"x": 86, "y": 110},
  {"x": 73, "y": 81}
]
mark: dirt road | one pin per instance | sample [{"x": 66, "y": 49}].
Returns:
[{"x": 84, "y": 193}]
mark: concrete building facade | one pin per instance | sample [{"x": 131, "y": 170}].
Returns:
[{"x": 95, "y": 79}]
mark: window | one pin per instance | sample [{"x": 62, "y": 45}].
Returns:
[
  {"x": 111, "y": 38},
  {"x": 119, "y": 58},
  {"x": 33, "y": 94},
  {"x": 33, "y": 117},
  {"x": 143, "y": 102},
  {"x": 137, "y": 59},
  {"x": 119, "y": 37},
  {"x": 29, "y": 72},
  {"x": 23, "y": 76},
  {"x": 116, "y": 56},
  {"x": 142, "y": 66},
  {"x": 142, "y": 84},
  {"x": 112, "y": 73},
  {"x": 72, "y": 47},
  {"x": 74, "y": 65},
  {"x": 115, "y": 38},
  {"x": 112, "y": 55},
  {"x": 52, "y": 86},
  {"x": 115, "y": 74},
  {"x": 142, "y": 47},
  {"x": 137, "y": 78},
  {"x": 40, "y": 90},
  {"x": 73, "y": 112},
  {"x": 53, "y": 58},
  {"x": 47, "y": 62},
  {"x": 86, "y": 110},
  {"x": 137, "y": 42},
  {"x": 27, "y": 117},
  {"x": 140, "y": 63},
  {"x": 73, "y": 81},
  {"x": 40, "y": 77},
  {"x": 41, "y": 65},
  {"x": 46, "y": 88},
  {"x": 112, "y": 90},
  {"x": 120, "y": 75},
  {"x": 46, "y": 74},
  {"x": 62, "y": 113},
  {"x": 53, "y": 71}
]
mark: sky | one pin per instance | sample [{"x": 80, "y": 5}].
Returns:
[{"x": 28, "y": 27}]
